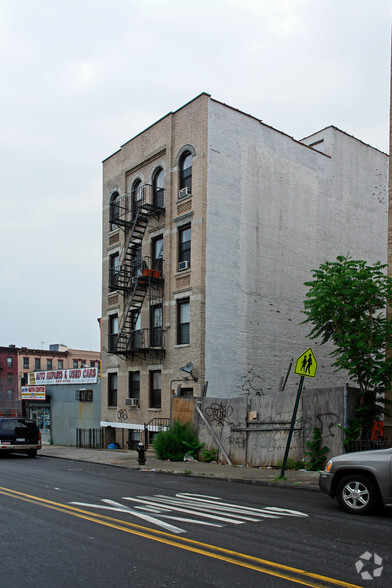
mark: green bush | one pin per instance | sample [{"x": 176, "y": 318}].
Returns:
[
  {"x": 174, "y": 443},
  {"x": 193, "y": 448},
  {"x": 210, "y": 455},
  {"x": 316, "y": 453}
]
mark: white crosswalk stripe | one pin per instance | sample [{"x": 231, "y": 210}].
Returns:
[{"x": 210, "y": 509}]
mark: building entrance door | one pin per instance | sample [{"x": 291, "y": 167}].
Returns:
[{"x": 41, "y": 415}]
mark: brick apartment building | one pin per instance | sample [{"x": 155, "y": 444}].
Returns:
[
  {"x": 9, "y": 398},
  {"x": 212, "y": 222}
]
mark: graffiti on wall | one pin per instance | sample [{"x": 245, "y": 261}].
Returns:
[
  {"x": 236, "y": 439},
  {"x": 325, "y": 422},
  {"x": 122, "y": 414},
  {"x": 264, "y": 439},
  {"x": 218, "y": 414},
  {"x": 252, "y": 383}
]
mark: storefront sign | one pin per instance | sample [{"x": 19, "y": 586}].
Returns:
[
  {"x": 73, "y": 376},
  {"x": 33, "y": 393}
]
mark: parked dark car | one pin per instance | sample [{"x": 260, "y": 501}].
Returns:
[
  {"x": 19, "y": 435},
  {"x": 360, "y": 481}
]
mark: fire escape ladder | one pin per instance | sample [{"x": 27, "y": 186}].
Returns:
[
  {"x": 134, "y": 278},
  {"x": 138, "y": 294},
  {"x": 130, "y": 250}
]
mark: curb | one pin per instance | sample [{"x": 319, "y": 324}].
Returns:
[{"x": 258, "y": 482}]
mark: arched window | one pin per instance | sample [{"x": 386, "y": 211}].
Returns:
[
  {"x": 186, "y": 171},
  {"x": 114, "y": 210},
  {"x": 136, "y": 196},
  {"x": 158, "y": 187}
]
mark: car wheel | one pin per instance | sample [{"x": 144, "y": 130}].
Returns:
[
  {"x": 357, "y": 494},
  {"x": 32, "y": 453}
]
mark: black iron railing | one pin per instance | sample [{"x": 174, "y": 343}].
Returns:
[
  {"x": 91, "y": 438},
  {"x": 152, "y": 428},
  {"x": 367, "y": 445}
]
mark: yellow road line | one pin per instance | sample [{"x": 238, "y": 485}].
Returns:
[{"x": 248, "y": 561}]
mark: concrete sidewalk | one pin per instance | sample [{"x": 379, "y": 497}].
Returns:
[{"x": 129, "y": 459}]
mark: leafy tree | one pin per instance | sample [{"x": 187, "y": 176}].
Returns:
[{"x": 346, "y": 305}]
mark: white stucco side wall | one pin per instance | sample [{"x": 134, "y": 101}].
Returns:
[{"x": 275, "y": 210}]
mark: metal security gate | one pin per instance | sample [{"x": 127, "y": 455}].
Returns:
[{"x": 91, "y": 438}]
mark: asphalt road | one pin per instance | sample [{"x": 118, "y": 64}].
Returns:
[{"x": 66, "y": 523}]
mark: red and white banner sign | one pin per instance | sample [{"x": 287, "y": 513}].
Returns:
[
  {"x": 33, "y": 392},
  {"x": 87, "y": 375}
]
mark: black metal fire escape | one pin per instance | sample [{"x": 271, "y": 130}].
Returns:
[{"x": 137, "y": 276}]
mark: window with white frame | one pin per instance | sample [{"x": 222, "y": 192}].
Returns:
[
  {"x": 114, "y": 210},
  {"x": 155, "y": 389},
  {"x": 158, "y": 187},
  {"x": 186, "y": 171},
  {"x": 156, "y": 326},
  {"x": 114, "y": 268},
  {"x": 134, "y": 385},
  {"x": 157, "y": 253},
  {"x": 112, "y": 389},
  {"x": 184, "y": 247},
  {"x": 183, "y": 321},
  {"x": 113, "y": 333}
]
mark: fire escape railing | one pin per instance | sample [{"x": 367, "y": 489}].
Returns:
[{"x": 135, "y": 276}]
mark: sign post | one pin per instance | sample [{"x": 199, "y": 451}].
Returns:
[{"x": 305, "y": 366}]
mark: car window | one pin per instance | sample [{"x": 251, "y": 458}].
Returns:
[
  {"x": 11, "y": 425},
  {"x": 7, "y": 426}
]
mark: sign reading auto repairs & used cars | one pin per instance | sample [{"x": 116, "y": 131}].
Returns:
[{"x": 88, "y": 375}]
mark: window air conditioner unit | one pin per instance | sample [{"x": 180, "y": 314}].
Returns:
[
  {"x": 183, "y": 265},
  {"x": 184, "y": 192},
  {"x": 132, "y": 402}
]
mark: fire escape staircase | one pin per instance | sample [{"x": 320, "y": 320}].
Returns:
[{"x": 132, "y": 282}]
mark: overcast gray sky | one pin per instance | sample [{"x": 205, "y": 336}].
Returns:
[{"x": 81, "y": 77}]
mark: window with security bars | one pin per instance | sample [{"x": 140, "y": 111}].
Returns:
[{"x": 84, "y": 395}]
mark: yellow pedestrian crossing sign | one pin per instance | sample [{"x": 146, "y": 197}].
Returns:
[{"x": 306, "y": 364}]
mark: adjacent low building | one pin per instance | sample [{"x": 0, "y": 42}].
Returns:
[
  {"x": 59, "y": 387},
  {"x": 65, "y": 403}
]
